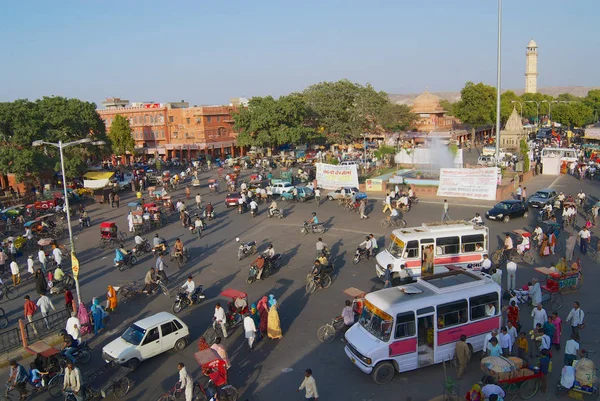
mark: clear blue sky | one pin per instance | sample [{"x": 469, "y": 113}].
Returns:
[{"x": 207, "y": 52}]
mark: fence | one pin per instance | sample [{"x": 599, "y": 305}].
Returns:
[
  {"x": 45, "y": 326},
  {"x": 10, "y": 340}
]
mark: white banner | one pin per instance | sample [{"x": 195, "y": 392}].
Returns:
[
  {"x": 95, "y": 184},
  {"x": 330, "y": 176},
  {"x": 472, "y": 183}
]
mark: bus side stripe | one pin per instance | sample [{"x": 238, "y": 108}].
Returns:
[
  {"x": 403, "y": 347},
  {"x": 453, "y": 334}
]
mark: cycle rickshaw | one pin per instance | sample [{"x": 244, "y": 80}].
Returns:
[
  {"x": 327, "y": 332},
  {"x": 110, "y": 235},
  {"x": 234, "y": 312},
  {"x": 525, "y": 253}
]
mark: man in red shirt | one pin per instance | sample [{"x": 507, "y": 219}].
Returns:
[{"x": 30, "y": 308}]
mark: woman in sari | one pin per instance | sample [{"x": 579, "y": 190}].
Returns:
[
  {"x": 263, "y": 312},
  {"x": 256, "y": 317},
  {"x": 557, "y": 322},
  {"x": 274, "y": 326},
  {"x": 549, "y": 328},
  {"x": 544, "y": 246},
  {"x": 111, "y": 299},
  {"x": 475, "y": 393},
  {"x": 97, "y": 315}
]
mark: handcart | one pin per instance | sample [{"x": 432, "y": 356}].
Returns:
[
  {"x": 513, "y": 375},
  {"x": 579, "y": 390},
  {"x": 133, "y": 206}
]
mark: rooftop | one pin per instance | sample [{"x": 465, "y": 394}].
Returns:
[{"x": 153, "y": 320}]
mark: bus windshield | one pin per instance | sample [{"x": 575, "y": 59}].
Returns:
[
  {"x": 376, "y": 322},
  {"x": 396, "y": 247}
]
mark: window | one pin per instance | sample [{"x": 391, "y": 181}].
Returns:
[
  {"x": 208, "y": 119},
  {"x": 412, "y": 249},
  {"x": 484, "y": 305},
  {"x": 452, "y": 314},
  {"x": 152, "y": 336},
  {"x": 170, "y": 119},
  {"x": 187, "y": 120},
  {"x": 177, "y": 324},
  {"x": 405, "y": 325},
  {"x": 396, "y": 247},
  {"x": 146, "y": 119},
  {"x": 447, "y": 245},
  {"x": 218, "y": 118},
  {"x": 198, "y": 120},
  {"x": 473, "y": 243},
  {"x": 175, "y": 135},
  {"x": 167, "y": 328}
]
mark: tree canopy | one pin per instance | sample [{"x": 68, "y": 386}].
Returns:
[
  {"x": 477, "y": 105},
  {"x": 50, "y": 119},
  {"x": 120, "y": 136}
]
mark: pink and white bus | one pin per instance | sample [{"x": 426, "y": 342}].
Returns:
[
  {"x": 415, "y": 325},
  {"x": 456, "y": 243}
]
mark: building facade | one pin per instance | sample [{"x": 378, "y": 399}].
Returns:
[
  {"x": 176, "y": 130},
  {"x": 531, "y": 71},
  {"x": 432, "y": 116}
]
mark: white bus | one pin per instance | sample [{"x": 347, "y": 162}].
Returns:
[
  {"x": 408, "y": 327},
  {"x": 565, "y": 154},
  {"x": 457, "y": 243}
]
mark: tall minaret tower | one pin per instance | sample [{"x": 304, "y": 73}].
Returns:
[{"x": 531, "y": 73}]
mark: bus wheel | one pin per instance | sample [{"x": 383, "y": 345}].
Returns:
[{"x": 383, "y": 372}]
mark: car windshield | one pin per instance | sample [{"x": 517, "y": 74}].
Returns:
[
  {"x": 541, "y": 195},
  {"x": 502, "y": 206},
  {"x": 396, "y": 247},
  {"x": 134, "y": 335},
  {"x": 376, "y": 322}
]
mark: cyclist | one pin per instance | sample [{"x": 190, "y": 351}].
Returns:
[{"x": 19, "y": 377}]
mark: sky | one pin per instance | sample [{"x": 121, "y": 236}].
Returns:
[{"x": 207, "y": 52}]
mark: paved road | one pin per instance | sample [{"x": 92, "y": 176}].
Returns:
[{"x": 274, "y": 369}]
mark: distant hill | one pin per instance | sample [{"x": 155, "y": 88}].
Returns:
[{"x": 580, "y": 91}]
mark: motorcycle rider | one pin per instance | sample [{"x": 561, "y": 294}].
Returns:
[
  {"x": 156, "y": 242},
  {"x": 120, "y": 254},
  {"x": 259, "y": 263},
  {"x": 190, "y": 289},
  {"x": 366, "y": 245},
  {"x": 69, "y": 345},
  {"x": 209, "y": 210},
  {"x": 178, "y": 247},
  {"x": 253, "y": 206},
  {"x": 323, "y": 259},
  {"x": 317, "y": 271},
  {"x": 403, "y": 201},
  {"x": 314, "y": 220},
  {"x": 272, "y": 207},
  {"x": 58, "y": 274},
  {"x": 477, "y": 220},
  {"x": 547, "y": 210}
]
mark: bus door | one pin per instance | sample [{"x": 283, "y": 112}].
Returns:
[
  {"x": 425, "y": 244},
  {"x": 426, "y": 336},
  {"x": 412, "y": 256}
]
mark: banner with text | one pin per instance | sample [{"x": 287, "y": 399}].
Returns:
[
  {"x": 472, "y": 183},
  {"x": 330, "y": 176}
]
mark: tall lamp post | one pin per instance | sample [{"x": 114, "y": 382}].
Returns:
[
  {"x": 61, "y": 145},
  {"x": 537, "y": 123},
  {"x": 498, "y": 80},
  {"x": 520, "y": 104}
]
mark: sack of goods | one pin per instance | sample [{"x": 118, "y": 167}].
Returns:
[
  {"x": 498, "y": 367},
  {"x": 585, "y": 372}
]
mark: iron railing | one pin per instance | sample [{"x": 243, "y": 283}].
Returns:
[
  {"x": 10, "y": 339},
  {"x": 45, "y": 326}
]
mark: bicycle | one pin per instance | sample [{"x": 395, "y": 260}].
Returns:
[
  {"x": 327, "y": 332},
  {"x": 9, "y": 291},
  {"x": 500, "y": 256},
  {"x": 397, "y": 223},
  {"x": 312, "y": 285},
  {"x": 3, "y": 319}
]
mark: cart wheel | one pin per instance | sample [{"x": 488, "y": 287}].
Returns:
[
  {"x": 3, "y": 321},
  {"x": 121, "y": 387},
  {"x": 528, "y": 389},
  {"x": 11, "y": 293},
  {"x": 326, "y": 333},
  {"x": 103, "y": 244},
  {"x": 556, "y": 300},
  {"x": 228, "y": 393},
  {"x": 55, "y": 386},
  {"x": 112, "y": 243},
  {"x": 497, "y": 256}
]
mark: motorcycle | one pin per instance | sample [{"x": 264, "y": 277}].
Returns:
[
  {"x": 242, "y": 208},
  {"x": 144, "y": 247},
  {"x": 208, "y": 216},
  {"x": 276, "y": 213},
  {"x": 413, "y": 200},
  {"x": 245, "y": 249},
  {"x": 312, "y": 228},
  {"x": 67, "y": 283},
  {"x": 270, "y": 267},
  {"x": 360, "y": 254},
  {"x": 544, "y": 215},
  {"x": 83, "y": 354},
  {"x": 84, "y": 223},
  {"x": 128, "y": 260},
  {"x": 254, "y": 212},
  {"x": 182, "y": 301},
  {"x": 162, "y": 249}
]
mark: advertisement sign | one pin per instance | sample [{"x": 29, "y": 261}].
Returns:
[
  {"x": 374, "y": 185},
  {"x": 330, "y": 176},
  {"x": 472, "y": 183},
  {"x": 74, "y": 266}
]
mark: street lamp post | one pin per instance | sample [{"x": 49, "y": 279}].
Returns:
[
  {"x": 520, "y": 104},
  {"x": 498, "y": 80},
  {"x": 549, "y": 110},
  {"x": 538, "y": 110},
  {"x": 61, "y": 145}
]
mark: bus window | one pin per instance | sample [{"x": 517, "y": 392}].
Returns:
[
  {"x": 484, "y": 306},
  {"x": 412, "y": 250},
  {"x": 473, "y": 243},
  {"x": 447, "y": 245},
  {"x": 396, "y": 247},
  {"x": 405, "y": 325},
  {"x": 376, "y": 322},
  {"x": 452, "y": 313}
]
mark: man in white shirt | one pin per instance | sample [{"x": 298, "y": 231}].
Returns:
[
  {"x": 185, "y": 382},
  {"x": 318, "y": 196},
  {"x": 506, "y": 342},
  {"x": 72, "y": 380},
  {"x": 571, "y": 349},
  {"x": 511, "y": 275},
  {"x": 310, "y": 386},
  {"x": 220, "y": 318},
  {"x": 189, "y": 286},
  {"x": 535, "y": 291},
  {"x": 388, "y": 203},
  {"x": 198, "y": 201},
  {"x": 497, "y": 276},
  {"x": 57, "y": 254},
  {"x": 366, "y": 245},
  {"x": 486, "y": 265},
  {"x": 138, "y": 240},
  {"x": 253, "y": 206},
  {"x": 42, "y": 258},
  {"x": 45, "y": 304},
  {"x": 575, "y": 317},
  {"x": 539, "y": 315},
  {"x": 488, "y": 337},
  {"x": 403, "y": 200},
  {"x": 73, "y": 327},
  {"x": 584, "y": 240},
  {"x": 249, "y": 330},
  {"x": 538, "y": 234},
  {"x": 512, "y": 331},
  {"x": 14, "y": 271},
  {"x": 508, "y": 246}
]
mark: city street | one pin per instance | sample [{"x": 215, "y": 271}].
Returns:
[{"x": 274, "y": 369}]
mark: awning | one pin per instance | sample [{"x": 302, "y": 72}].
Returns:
[
  {"x": 95, "y": 184},
  {"x": 98, "y": 175}
]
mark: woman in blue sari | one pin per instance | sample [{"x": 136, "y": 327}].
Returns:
[{"x": 98, "y": 315}]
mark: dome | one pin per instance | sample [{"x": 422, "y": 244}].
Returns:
[
  {"x": 532, "y": 43},
  {"x": 427, "y": 103}
]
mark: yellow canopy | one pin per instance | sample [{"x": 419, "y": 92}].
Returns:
[{"x": 98, "y": 175}]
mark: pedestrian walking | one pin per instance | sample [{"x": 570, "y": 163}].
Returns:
[
  {"x": 263, "y": 314},
  {"x": 309, "y": 385},
  {"x": 539, "y": 316},
  {"x": 41, "y": 257},
  {"x": 445, "y": 214},
  {"x": 557, "y": 322},
  {"x": 274, "y": 324},
  {"x": 544, "y": 366},
  {"x": 40, "y": 282},
  {"x": 387, "y": 203},
  {"x": 29, "y": 309},
  {"x": 15, "y": 273},
  {"x": 3, "y": 259},
  {"x": 463, "y": 355},
  {"x": 317, "y": 196},
  {"x": 519, "y": 192},
  {"x": 130, "y": 222},
  {"x": 45, "y": 304},
  {"x": 187, "y": 192},
  {"x": 111, "y": 199},
  {"x": 584, "y": 239},
  {"x": 575, "y": 317},
  {"x": 198, "y": 201},
  {"x": 387, "y": 276},
  {"x": 69, "y": 301},
  {"x": 361, "y": 209},
  {"x": 511, "y": 275},
  {"x": 570, "y": 246},
  {"x": 220, "y": 318},
  {"x": 506, "y": 342},
  {"x": 572, "y": 350},
  {"x": 117, "y": 199},
  {"x": 524, "y": 195},
  {"x": 249, "y": 330}
]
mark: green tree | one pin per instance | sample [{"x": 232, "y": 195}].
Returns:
[
  {"x": 525, "y": 153},
  {"x": 506, "y": 105},
  {"x": 568, "y": 97},
  {"x": 50, "y": 119},
  {"x": 592, "y": 100},
  {"x": 530, "y": 109},
  {"x": 120, "y": 136},
  {"x": 477, "y": 105},
  {"x": 268, "y": 122},
  {"x": 575, "y": 114},
  {"x": 448, "y": 106},
  {"x": 396, "y": 117}
]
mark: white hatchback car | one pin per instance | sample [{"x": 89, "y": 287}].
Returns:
[{"x": 147, "y": 338}]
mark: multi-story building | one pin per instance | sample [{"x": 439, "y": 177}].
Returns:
[{"x": 175, "y": 129}]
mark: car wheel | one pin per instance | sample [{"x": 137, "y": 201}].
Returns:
[
  {"x": 525, "y": 215},
  {"x": 133, "y": 363},
  {"x": 506, "y": 219},
  {"x": 180, "y": 344},
  {"x": 383, "y": 373}
]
